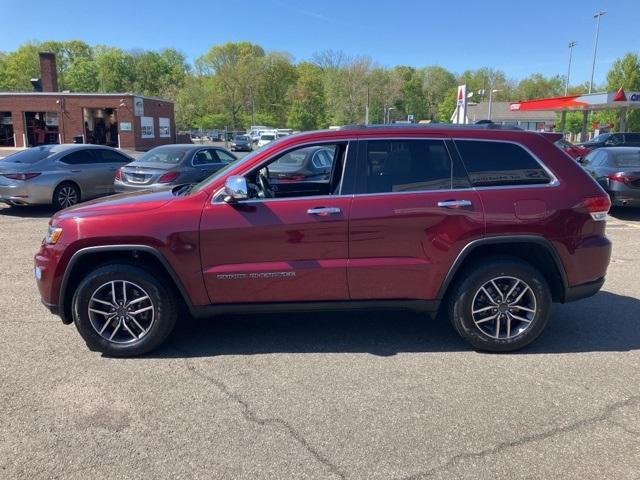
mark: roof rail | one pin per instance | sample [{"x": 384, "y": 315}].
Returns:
[{"x": 475, "y": 126}]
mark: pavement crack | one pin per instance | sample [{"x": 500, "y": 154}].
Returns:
[
  {"x": 251, "y": 416},
  {"x": 605, "y": 416}
]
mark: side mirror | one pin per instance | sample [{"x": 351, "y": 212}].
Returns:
[{"x": 235, "y": 189}]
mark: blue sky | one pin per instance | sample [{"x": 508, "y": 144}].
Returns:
[{"x": 519, "y": 37}]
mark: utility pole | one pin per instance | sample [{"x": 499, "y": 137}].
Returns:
[
  {"x": 563, "y": 115},
  {"x": 585, "y": 118},
  {"x": 366, "y": 111}
]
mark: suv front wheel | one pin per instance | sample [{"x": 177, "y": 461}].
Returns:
[
  {"x": 500, "y": 304},
  {"x": 123, "y": 310}
]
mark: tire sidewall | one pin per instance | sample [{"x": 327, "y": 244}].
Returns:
[
  {"x": 461, "y": 304},
  {"x": 161, "y": 297},
  {"x": 57, "y": 205}
]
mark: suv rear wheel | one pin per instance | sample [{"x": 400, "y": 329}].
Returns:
[
  {"x": 123, "y": 310},
  {"x": 500, "y": 304}
]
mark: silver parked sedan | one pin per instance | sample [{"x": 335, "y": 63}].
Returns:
[
  {"x": 171, "y": 165},
  {"x": 61, "y": 175}
]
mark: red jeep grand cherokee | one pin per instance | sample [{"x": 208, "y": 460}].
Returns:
[{"x": 489, "y": 225}]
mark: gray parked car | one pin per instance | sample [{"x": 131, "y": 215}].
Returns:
[
  {"x": 617, "y": 170},
  {"x": 61, "y": 175},
  {"x": 171, "y": 165}
]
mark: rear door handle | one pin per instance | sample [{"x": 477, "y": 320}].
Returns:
[
  {"x": 76, "y": 171},
  {"x": 324, "y": 211},
  {"x": 455, "y": 203}
]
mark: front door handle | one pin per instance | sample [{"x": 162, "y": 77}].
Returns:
[
  {"x": 455, "y": 203},
  {"x": 324, "y": 211}
]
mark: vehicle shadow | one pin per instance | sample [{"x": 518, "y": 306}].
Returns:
[
  {"x": 625, "y": 213},
  {"x": 27, "y": 212},
  {"x": 583, "y": 326}
]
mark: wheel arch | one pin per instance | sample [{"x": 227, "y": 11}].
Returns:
[
  {"x": 88, "y": 258},
  {"x": 62, "y": 182},
  {"x": 535, "y": 250}
]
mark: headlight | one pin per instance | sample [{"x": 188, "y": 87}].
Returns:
[{"x": 53, "y": 235}]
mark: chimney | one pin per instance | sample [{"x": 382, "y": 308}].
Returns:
[{"x": 48, "y": 72}]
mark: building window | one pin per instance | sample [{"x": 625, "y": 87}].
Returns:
[
  {"x": 164, "y": 127},
  {"x": 146, "y": 127}
]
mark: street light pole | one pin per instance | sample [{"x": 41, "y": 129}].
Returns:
[
  {"x": 566, "y": 87},
  {"x": 585, "y": 117},
  {"x": 595, "y": 47},
  {"x": 491, "y": 92},
  {"x": 563, "y": 115},
  {"x": 389, "y": 113}
]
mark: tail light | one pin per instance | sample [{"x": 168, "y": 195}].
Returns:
[
  {"x": 622, "y": 177},
  {"x": 168, "y": 177},
  {"x": 598, "y": 207},
  {"x": 119, "y": 174},
  {"x": 20, "y": 176}
]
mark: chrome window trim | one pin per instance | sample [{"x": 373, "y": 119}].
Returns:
[
  {"x": 193, "y": 156},
  {"x": 215, "y": 198},
  {"x": 554, "y": 181}
]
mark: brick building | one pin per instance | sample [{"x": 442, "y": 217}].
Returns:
[{"x": 122, "y": 120}]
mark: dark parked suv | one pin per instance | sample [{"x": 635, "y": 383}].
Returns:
[
  {"x": 613, "y": 140},
  {"x": 487, "y": 225}
]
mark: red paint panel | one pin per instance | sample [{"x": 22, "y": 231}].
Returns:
[
  {"x": 276, "y": 236},
  {"x": 402, "y": 245}
]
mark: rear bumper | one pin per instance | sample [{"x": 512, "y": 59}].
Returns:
[
  {"x": 121, "y": 187},
  {"x": 629, "y": 197},
  {"x": 584, "y": 290}
]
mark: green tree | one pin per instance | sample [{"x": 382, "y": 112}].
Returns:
[
  {"x": 447, "y": 105},
  {"x": 306, "y": 99},
  {"x": 412, "y": 100},
  {"x": 539, "y": 86},
  {"x": 278, "y": 75},
  {"x": 237, "y": 67},
  {"x": 436, "y": 82},
  {"x": 624, "y": 73}
]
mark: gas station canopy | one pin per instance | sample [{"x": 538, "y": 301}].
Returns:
[{"x": 589, "y": 101}]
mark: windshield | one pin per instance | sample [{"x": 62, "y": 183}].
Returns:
[
  {"x": 631, "y": 159},
  {"x": 31, "y": 155},
  {"x": 601, "y": 138},
  {"x": 241, "y": 138},
  {"x": 168, "y": 155}
]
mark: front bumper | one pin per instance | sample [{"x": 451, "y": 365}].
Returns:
[{"x": 48, "y": 278}]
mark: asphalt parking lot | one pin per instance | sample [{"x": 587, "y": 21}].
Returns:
[{"x": 366, "y": 395}]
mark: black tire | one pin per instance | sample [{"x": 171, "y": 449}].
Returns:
[
  {"x": 65, "y": 195},
  {"x": 467, "y": 295},
  {"x": 163, "y": 314}
]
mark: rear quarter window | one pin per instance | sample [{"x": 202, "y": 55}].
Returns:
[{"x": 496, "y": 163}]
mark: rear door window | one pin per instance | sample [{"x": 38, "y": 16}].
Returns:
[
  {"x": 80, "y": 157},
  {"x": 404, "y": 166},
  {"x": 109, "y": 156},
  {"x": 203, "y": 157},
  {"x": 497, "y": 163}
]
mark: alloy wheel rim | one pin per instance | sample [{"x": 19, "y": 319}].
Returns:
[
  {"x": 121, "y": 311},
  {"x": 67, "y": 196},
  {"x": 504, "y": 308}
]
